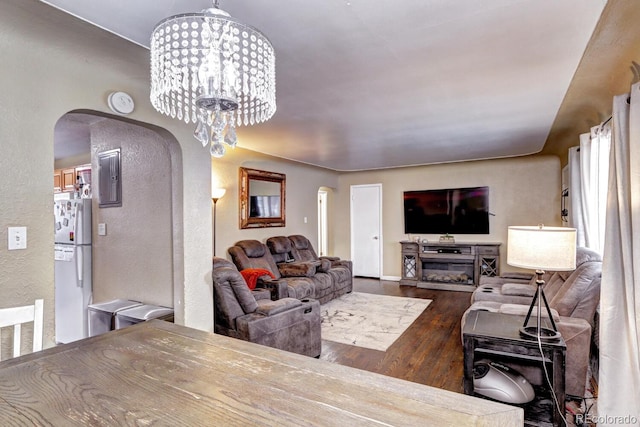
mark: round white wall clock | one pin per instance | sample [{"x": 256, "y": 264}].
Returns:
[{"x": 120, "y": 102}]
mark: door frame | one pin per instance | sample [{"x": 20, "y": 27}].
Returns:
[
  {"x": 323, "y": 223},
  {"x": 352, "y": 219}
]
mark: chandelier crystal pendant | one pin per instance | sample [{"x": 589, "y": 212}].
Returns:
[{"x": 209, "y": 69}]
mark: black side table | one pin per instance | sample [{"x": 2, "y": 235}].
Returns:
[{"x": 495, "y": 336}]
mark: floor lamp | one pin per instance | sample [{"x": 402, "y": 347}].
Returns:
[
  {"x": 216, "y": 194},
  {"x": 541, "y": 248}
]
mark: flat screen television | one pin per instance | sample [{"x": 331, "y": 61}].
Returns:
[{"x": 453, "y": 211}]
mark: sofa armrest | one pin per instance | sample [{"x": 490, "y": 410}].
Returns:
[
  {"x": 337, "y": 262},
  {"x": 297, "y": 269},
  {"x": 278, "y": 288},
  {"x": 324, "y": 267},
  {"x": 270, "y": 308},
  {"x": 501, "y": 280},
  {"x": 517, "y": 275},
  {"x": 576, "y": 333},
  {"x": 519, "y": 290}
]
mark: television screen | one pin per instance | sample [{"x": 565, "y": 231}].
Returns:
[{"x": 453, "y": 211}]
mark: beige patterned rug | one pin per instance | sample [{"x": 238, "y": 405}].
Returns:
[{"x": 369, "y": 320}]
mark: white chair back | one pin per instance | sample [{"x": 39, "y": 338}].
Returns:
[{"x": 16, "y": 316}]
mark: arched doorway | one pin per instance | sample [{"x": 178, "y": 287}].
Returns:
[{"x": 133, "y": 245}]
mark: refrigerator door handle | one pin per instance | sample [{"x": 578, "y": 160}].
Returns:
[
  {"x": 76, "y": 222},
  {"x": 79, "y": 264}
]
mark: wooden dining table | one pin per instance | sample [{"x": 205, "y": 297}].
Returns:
[{"x": 161, "y": 374}]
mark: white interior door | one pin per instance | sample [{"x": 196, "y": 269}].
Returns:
[{"x": 366, "y": 229}]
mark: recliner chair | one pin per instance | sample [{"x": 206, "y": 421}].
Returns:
[
  {"x": 323, "y": 283},
  {"x": 288, "y": 324},
  {"x": 255, "y": 254},
  {"x": 303, "y": 248},
  {"x": 341, "y": 270},
  {"x": 573, "y": 297}
]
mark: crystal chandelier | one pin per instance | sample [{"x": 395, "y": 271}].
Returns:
[{"x": 209, "y": 69}]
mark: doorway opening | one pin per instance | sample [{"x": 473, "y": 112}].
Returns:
[
  {"x": 149, "y": 217},
  {"x": 323, "y": 228}
]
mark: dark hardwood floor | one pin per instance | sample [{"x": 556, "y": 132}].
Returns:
[{"x": 430, "y": 350}]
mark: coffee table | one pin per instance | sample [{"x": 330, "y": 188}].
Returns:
[{"x": 496, "y": 336}]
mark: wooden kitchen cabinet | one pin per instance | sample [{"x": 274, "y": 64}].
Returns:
[
  {"x": 57, "y": 181},
  {"x": 64, "y": 180},
  {"x": 68, "y": 179}
]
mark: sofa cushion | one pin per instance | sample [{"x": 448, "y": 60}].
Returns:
[
  {"x": 493, "y": 292},
  {"x": 518, "y": 289},
  {"x": 586, "y": 255},
  {"x": 261, "y": 293},
  {"x": 300, "y": 242},
  {"x": 341, "y": 277},
  {"x": 280, "y": 248},
  {"x": 302, "y": 248},
  {"x": 253, "y": 254},
  {"x": 300, "y": 287},
  {"x": 253, "y": 248}
]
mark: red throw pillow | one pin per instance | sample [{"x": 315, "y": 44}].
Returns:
[{"x": 251, "y": 275}]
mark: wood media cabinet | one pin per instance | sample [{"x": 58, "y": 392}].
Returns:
[{"x": 448, "y": 266}]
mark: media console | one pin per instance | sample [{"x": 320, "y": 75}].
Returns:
[{"x": 448, "y": 266}]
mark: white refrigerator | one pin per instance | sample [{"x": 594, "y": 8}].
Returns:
[{"x": 73, "y": 290}]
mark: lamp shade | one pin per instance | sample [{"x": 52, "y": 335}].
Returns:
[
  {"x": 217, "y": 193},
  {"x": 542, "y": 248}
]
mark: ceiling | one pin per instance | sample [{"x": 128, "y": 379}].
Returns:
[{"x": 365, "y": 84}]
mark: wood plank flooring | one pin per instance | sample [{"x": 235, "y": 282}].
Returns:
[{"x": 430, "y": 350}]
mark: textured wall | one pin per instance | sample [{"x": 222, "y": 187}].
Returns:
[
  {"x": 522, "y": 191},
  {"x": 303, "y": 183},
  {"x": 54, "y": 64},
  {"x": 134, "y": 260}
]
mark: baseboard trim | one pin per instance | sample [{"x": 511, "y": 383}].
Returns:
[{"x": 391, "y": 278}]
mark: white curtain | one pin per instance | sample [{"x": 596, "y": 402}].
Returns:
[
  {"x": 589, "y": 167},
  {"x": 619, "y": 382},
  {"x": 576, "y": 214}
]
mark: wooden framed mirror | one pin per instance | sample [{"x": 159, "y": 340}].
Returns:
[{"x": 262, "y": 198}]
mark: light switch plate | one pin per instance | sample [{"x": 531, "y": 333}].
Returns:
[
  {"x": 17, "y": 238},
  {"x": 102, "y": 229}
]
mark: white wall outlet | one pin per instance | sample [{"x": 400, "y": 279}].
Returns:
[
  {"x": 17, "y": 238},
  {"x": 102, "y": 229},
  {"x": 305, "y": 219}
]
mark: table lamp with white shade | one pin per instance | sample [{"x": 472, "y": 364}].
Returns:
[{"x": 541, "y": 248}]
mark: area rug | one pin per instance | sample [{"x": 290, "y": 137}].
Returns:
[{"x": 369, "y": 320}]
